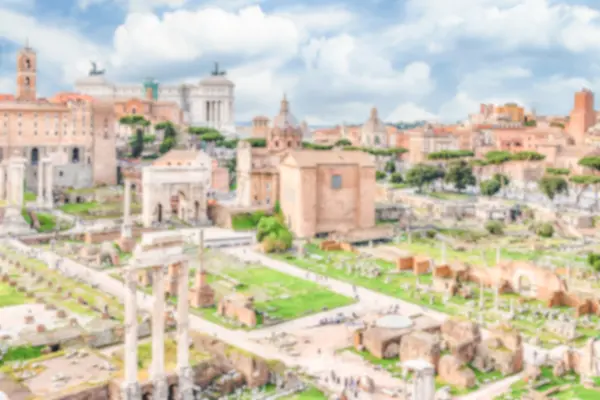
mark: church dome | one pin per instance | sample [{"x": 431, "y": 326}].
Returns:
[{"x": 285, "y": 120}]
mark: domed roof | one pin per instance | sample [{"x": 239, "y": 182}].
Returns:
[
  {"x": 374, "y": 124},
  {"x": 285, "y": 119}
]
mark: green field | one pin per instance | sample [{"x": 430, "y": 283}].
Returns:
[
  {"x": 9, "y": 296},
  {"x": 282, "y": 296},
  {"x": 570, "y": 387},
  {"x": 92, "y": 297},
  {"x": 94, "y": 210}
]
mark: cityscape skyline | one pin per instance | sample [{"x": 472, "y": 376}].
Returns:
[{"x": 405, "y": 58}]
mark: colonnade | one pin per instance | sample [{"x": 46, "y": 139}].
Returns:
[
  {"x": 218, "y": 112},
  {"x": 131, "y": 389},
  {"x": 45, "y": 183}
]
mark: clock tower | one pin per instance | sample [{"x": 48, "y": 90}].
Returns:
[{"x": 26, "y": 74}]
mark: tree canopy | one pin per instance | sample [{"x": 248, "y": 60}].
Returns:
[
  {"x": 592, "y": 162},
  {"x": 343, "y": 142},
  {"x": 552, "y": 185},
  {"x": 585, "y": 179},
  {"x": 422, "y": 174},
  {"x": 450, "y": 154},
  {"x": 201, "y": 130},
  {"x": 134, "y": 120},
  {"x": 498, "y": 157},
  {"x": 558, "y": 171},
  {"x": 316, "y": 146},
  {"x": 528, "y": 156},
  {"x": 490, "y": 187},
  {"x": 273, "y": 234},
  {"x": 460, "y": 174},
  {"x": 257, "y": 142}
]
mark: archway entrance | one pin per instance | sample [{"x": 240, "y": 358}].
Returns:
[
  {"x": 181, "y": 206},
  {"x": 525, "y": 286},
  {"x": 173, "y": 392}
]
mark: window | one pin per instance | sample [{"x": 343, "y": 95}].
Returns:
[
  {"x": 60, "y": 173},
  {"x": 336, "y": 181}
]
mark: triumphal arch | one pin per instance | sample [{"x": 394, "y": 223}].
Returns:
[{"x": 178, "y": 190}]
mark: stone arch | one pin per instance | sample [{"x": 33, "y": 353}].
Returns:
[{"x": 391, "y": 350}]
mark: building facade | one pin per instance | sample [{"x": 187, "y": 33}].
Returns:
[
  {"x": 77, "y": 127},
  {"x": 374, "y": 133},
  {"x": 258, "y": 168},
  {"x": 327, "y": 191},
  {"x": 210, "y": 103}
]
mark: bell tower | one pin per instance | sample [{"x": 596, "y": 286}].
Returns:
[{"x": 26, "y": 74}]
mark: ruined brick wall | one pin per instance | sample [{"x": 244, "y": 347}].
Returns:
[{"x": 95, "y": 393}]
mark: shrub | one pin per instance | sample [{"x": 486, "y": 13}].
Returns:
[
  {"x": 379, "y": 175},
  {"x": 594, "y": 260},
  {"x": 494, "y": 227},
  {"x": 430, "y": 233},
  {"x": 545, "y": 230},
  {"x": 396, "y": 177}
]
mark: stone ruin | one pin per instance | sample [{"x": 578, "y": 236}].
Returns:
[{"x": 238, "y": 307}]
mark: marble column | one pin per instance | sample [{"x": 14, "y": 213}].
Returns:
[
  {"x": 16, "y": 177},
  {"x": 428, "y": 383},
  {"x": 158, "y": 335},
  {"x": 126, "y": 227},
  {"x": 40, "y": 191},
  {"x": 2, "y": 183},
  {"x": 49, "y": 173},
  {"x": 130, "y": 389},
  {"x": 498, "y": 255},
  {"x": 186, "y": 383}
]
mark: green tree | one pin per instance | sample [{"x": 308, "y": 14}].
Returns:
[
  {"x": 396, "y": 177},
  {"x": 343, "y": 142},
  {"x": 137, "y": 143},
  {"x": 273, "y": 234},
  {"x": 201, "y": 131},
  {"x": 489, "y": 187},
  {"x": 494, "y": 227},
  {"x": 450, "y": 154},
  {"x": 593, "y": 260},
  {"x": 167, "y": 144},
  {"x": 558, "y": 171},
  {"x": 499, "y": 158},
  {"x": 390, "y": 167},
  {"x": 380, "y": 175},
  {"x": 552, "y": 185},
  {"x": 592, "y": 162},
  {"x": 528, "y": 156},
  {"x": 212, "y": 137},
  {"x": 583, "y": 182},
  {"x": 257, "y": 142},
  {"x": 422, "y": 175},
  {"x": 545, "y": 230},
  {"x": 460, "y": 174}
]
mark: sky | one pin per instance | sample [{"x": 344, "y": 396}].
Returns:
[{"x": 335, "y": 60}]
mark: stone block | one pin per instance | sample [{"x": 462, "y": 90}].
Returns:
[
  {"x": 453, "y": 372},
  {"x": 420, "y": 345},
  {"x": 61, "y": 314},
  {"x": 405, "y": 263},
  {"x": 40, "y": 328},
  {"x": 29, "y": 319}
]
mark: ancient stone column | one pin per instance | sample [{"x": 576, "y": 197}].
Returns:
[
  {"x": 16, "y": 179},
  {"x": 186, "y": 384},
  {"x": 498, "y": 255},
  {"x": 428, "y": 383},
  {"x": 49, "y": 173},
  {"x": 126, "y": 227},
  {"x": 130, "y": 389},
  {"x": 40, "y": 191},
  {"x": 158, "y": 335},
  {"x": 2, "y": 183}
]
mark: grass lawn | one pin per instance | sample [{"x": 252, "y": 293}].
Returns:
[
  {"x": 570, "y": 381},
  {"x": 311, "y": 393},
  {"x": 450, "y": 196},
  {"x": 246, "y": 221},
  {"x": 29, "y": 196},
  {"x": 88, "y": 294},
  {"x": 95, "y": 210},
  {"x": 47, "y": 221},
  {"x": 21, "y": 353},
  {"x": 10, "y": 297},
  {"x": 281, "y": 296}
]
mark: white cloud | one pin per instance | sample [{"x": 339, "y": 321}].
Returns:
[
  {"x": 410, "y": 112},
  {"x": 134, "y": 5},
  {"x": 60, "y": 48},
  {"x": 504, "y": 24},
  {"x": 459, "y": 107},
  {"x": 320, "y": 20},
  {"x": 7, "y": 85},
  {"x": 186, "y": 35}
]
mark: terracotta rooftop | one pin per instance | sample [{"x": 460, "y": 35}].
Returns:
[{"x": 311, "y": 158}]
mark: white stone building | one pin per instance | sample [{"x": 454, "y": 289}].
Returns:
[{"x": 208, "y": 103}]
